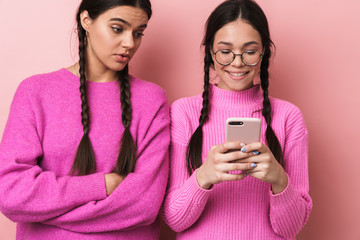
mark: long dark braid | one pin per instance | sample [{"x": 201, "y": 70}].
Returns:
[
  {"x": 194, "y": 148},
  {"x": 127, "y": 157},
  {"x": 271, "y": 139},
  {"x": 84, "y": 162}
]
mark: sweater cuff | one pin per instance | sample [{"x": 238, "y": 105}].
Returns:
[
  {"x": 199, "y": 194},
  {"x": 286, "y": 197},
  {"x": 90, "y": 186}
]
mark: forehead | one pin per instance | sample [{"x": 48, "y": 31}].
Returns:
[
  {"x": 133, "y": 15},
  {"x": 237, "y": 33}
]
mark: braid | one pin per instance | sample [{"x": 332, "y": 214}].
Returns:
[
  {"x": 271, "y": 138},
  {"x": 194, "y": 148},
  {"x": 205, "y": 109},
  {"x": 125, "y": 97},
  {"x": 84, "y": 105},
  {"x": 84, "y": 162},
  {"x": 127, "y": 156}
]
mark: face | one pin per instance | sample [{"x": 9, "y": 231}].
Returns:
[
  {"x": 237, "y": 36},
  {"x": 113, "y": 37}
]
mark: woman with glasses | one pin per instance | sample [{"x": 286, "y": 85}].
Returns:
[
  {"x": 229, "y": 190},
  {"x": 84, "y": 154}
]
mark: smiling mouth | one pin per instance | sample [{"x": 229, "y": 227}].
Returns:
[{"x": 237, "y": 74}]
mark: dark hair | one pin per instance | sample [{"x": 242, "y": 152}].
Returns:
[
  {"x": 84, "y": 162},
  {"x": 225, "y": 13}
]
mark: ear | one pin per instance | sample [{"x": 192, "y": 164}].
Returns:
[{"x": 85, "y": 20}]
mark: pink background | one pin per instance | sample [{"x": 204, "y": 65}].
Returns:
[{"x": 316, "y": 67}]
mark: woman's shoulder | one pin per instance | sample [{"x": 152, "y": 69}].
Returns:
[
  {"x": 284, "y": 107},
  {"x": 185, "y": 112},
  {"x": 149, "y": 90},
  {"x": 141, "y": 85},
  {"x": 39, "y": 82},
  {"x": 187, "y": 104},
  {"x": 290, "y": 116}
]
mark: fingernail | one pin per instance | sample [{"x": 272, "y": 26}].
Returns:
[
  {"x": 242, "y": 144},
  {"x": 253, "y": 165},
  {"x": 256, "y": 152},
  {"x": 243, "y": 149}
]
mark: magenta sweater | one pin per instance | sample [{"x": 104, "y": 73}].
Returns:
[
  {"x": 244, "y": 209},
  {"x": 37, "y": 152}
]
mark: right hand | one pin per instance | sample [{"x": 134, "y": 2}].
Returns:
[
  {"x": 219, "y": 162},
  {"x": 112, "y": 180}
]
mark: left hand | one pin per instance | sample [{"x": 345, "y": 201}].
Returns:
[
  {"x": 266, "y": 167},
  {"x": 112, "y": 181}
]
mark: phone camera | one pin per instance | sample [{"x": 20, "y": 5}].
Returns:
[{"x": 238, "y": 123}]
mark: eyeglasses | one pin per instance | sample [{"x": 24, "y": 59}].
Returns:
[{"x": 249, "y": 58}]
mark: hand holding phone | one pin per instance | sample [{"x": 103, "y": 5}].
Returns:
[{"x": 217, "y": 166}]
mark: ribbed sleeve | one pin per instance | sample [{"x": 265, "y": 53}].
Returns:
[
  {"x": 185, "y": 200},
  {"x": 183, "y": 206},
  {"x": 290, "y": 209}
]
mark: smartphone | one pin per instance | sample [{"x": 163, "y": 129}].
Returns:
[{"x": 244, "y": 130}]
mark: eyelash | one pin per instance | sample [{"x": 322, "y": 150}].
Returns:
[
  {"x": 119, "y": 30},
  {"x": 228, "y": 51},
  {"x": 140, "y": 34}
]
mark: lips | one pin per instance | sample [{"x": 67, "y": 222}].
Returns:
[
  {"x": 122, "y": 57},
  {"x": 237, "y": 75}
]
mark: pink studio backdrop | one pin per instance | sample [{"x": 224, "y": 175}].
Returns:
[{"x": 315, "y": 67}]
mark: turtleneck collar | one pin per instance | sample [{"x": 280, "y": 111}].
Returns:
[{"x": 236, "y": 99}]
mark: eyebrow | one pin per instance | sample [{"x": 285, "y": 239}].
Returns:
[
  {"x": 244, "y": 45},
  {"x": 126, "y": 23}
]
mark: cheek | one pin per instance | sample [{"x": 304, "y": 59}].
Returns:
[
  {"x": 257, "y": 69},
  {"x": 137, "y": 44},
  {"x": 98, "y": 41},
  {"x": 218, "y": 68},
  {"x": 104, "y": 39}
]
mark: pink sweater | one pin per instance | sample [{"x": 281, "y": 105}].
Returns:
[
  {"x": 38, "y": 148},
  {"x": 244, "y": 209}
]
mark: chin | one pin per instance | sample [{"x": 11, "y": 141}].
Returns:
[
  {"x": 240, "y": 87},
  {"x": 118, "y": 67}
]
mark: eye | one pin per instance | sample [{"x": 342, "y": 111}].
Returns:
[
  {"x": 225, "y": 52},
  {"x": 117, "y": 29},
  {"x": 251, "y": 52},
  {"x": 139, "y": 34}
]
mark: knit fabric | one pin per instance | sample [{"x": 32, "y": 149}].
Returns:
[
  {"x": 244, "y": 209},
  {"x": 38, "y": 149}
]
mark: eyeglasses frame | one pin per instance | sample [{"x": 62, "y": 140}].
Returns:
[{"x": 241, "y": 56}]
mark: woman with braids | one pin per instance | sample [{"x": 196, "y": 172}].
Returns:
[
  {"x": 84, "y": 154},
  {"x": 260, "y": 191}
]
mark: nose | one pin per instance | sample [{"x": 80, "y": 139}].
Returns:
[
  {"x": 128, "y": 41},
  {"x": 237, "y": 60}
]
